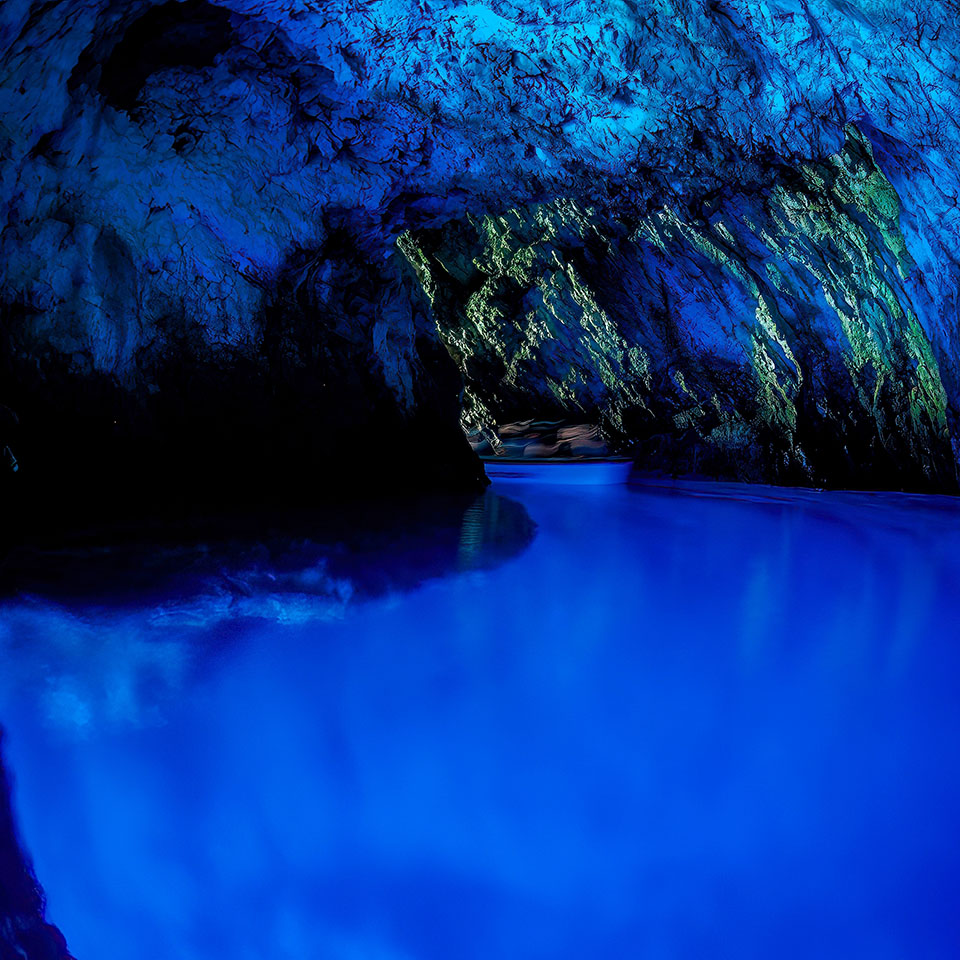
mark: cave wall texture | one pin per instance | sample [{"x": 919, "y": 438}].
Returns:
[
  {"x": 24, "y": 932},
  {"x": 255, "y": 240}
]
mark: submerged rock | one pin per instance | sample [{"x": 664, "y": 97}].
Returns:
[
  {"x": 108, "y": 634},
  {"x": 24, "y": 933}
]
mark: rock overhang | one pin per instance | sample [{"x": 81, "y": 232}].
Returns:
[{"x": 171, "y": 168}]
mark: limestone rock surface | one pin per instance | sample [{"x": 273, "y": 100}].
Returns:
[
  {"x": 237, "y": 237},
  {"x": 780, "y": 334}
]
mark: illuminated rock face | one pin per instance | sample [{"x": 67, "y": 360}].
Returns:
[
  {"x": 202, "y": 204},
  {"x": 774, "y": 335}
]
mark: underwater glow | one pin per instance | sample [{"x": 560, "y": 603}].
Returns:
[{"x": 686, "y": 721}]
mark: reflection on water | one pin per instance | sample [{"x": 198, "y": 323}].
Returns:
[
  {"x": 109, "y": 635},
  {"x": 685, "y": 722}
]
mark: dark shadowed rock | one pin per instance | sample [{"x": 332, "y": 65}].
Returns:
[{"x": 24, "y": 933}]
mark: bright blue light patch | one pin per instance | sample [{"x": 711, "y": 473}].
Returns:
[{"x": 686, "y": 723}]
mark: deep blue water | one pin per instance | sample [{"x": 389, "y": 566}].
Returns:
[{"x": 689, "y": 722}]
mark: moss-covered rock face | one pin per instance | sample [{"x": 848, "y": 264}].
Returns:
[{"x": 771, "y": 334}]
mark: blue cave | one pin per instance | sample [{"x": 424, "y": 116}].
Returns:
[{"x": 479, "y": 479}]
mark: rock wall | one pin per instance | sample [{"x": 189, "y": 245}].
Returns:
[
  {"x": 200, "y": 206},
  {"x": 24, "y": 933},
  {"x": 773, "y": 334}
]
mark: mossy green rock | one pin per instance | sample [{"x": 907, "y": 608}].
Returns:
[{"x": 769, "y": 335}]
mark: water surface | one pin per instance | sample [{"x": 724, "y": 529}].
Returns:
[{"x": 684, "y": 722}]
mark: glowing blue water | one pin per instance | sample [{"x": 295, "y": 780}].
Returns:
[{"x": 691, "y": 724}]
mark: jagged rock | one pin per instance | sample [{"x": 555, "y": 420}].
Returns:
[
  {"x": 200, "y": 202},
  {"x": 775, "y": 335},
  {"x": 24, "y": 933}
]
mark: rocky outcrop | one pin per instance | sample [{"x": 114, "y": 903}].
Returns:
[
  {"x": 24, "y": 933},
  {"x": 200, "y": 205},
  {"x": 341, "y": 389},
  {"x": 773, "y": 334}
]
